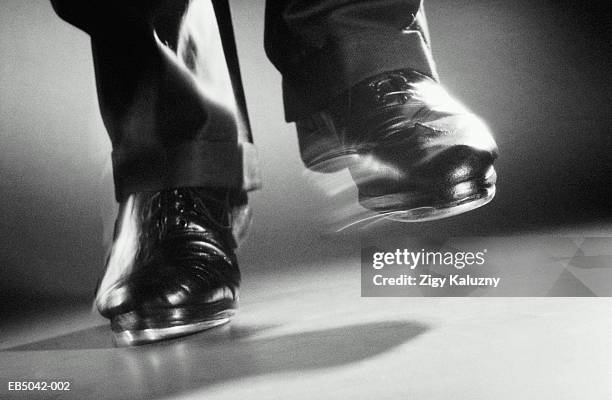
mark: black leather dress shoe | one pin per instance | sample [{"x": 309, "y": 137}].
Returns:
[
  {"x": 415, "y": 153},
  {"x": 172, "y": 270}
]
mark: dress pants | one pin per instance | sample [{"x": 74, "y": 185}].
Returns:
[{"x": 169, "y": 85}]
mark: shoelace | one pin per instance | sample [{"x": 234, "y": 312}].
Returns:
[
  {"x": 173, "y": 209},
  {"x": 394, "y": 85}
]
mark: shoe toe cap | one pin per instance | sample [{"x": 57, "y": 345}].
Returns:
[
  {"x": 451, "y": 166},
  {"x": 172, "y": 283},
  {"x": 434, "y": 156}
]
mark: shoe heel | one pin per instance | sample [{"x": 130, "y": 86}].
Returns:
[{"x": 320, "y": 146}]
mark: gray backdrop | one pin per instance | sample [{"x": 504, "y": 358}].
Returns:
[{"x": 538, "y": 72}]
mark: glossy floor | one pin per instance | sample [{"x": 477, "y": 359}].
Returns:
[{"x": 306, "y": 333}]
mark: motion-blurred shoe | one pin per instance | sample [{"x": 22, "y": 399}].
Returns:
[
  {"x": 415, "y": 153},
  {"x": 172, "y": 270}
]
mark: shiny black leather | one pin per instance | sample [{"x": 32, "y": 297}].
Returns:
[
  {"x": 172, "y": 263},
  {"x": 406, "y": 142}
]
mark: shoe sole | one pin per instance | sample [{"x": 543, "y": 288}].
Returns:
[
  {"x": 411, "y": 206},
  {"x": 154, "y": 325}
]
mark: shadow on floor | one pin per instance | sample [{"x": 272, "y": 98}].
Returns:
[{"x": 205, "y": 359}]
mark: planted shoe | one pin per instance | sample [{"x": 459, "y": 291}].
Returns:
[{"x": 172, "y": 270}]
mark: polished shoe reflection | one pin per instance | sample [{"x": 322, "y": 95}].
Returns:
[
  {"x": 172, "y": 268},
  {"x": 415, "y": 153}
]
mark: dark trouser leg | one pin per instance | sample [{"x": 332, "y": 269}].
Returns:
[
  {"x": 166, "y": 94},
  {"x": 325, "y": 47},
  {"x": 168, "y": 103},
  {"x": 360, "y": 83}
]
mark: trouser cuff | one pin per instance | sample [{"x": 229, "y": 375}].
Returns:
[{"x": 200, "y": 164}]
